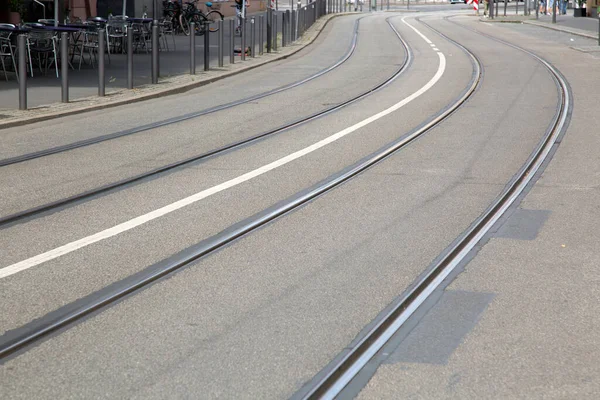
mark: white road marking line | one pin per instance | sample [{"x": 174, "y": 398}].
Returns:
[
  {"x": 436, "y": 49},
  {"x": 417, "y": 31},
  {"x": 142, "y": 219}
]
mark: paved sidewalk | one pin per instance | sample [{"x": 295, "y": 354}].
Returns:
[
  {"x": 44, "y": 92},
  {"x": 45, "y": 89},
  {"x": 586, "y": 27}
]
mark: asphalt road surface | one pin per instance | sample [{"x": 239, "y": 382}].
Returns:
[{"x": 267, "y": 312}]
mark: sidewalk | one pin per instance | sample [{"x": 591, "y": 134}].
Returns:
[
  {"x": 586, "y": 27},
  {"x": 45, "y": 89},
  {"x": 44, "y": 92}
]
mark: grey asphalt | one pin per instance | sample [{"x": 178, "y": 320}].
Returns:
[
  {"x": 261, "y": 317},
  {"x": 46, "y": 89},
  {"x": 535, "y": 334},
  {"x": 185, "y": 182},
  {"x": 87, "y": 167}
]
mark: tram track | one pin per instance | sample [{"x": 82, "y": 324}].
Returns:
[
  {"x": 332, "y": 380},
  {"x": 49, "y": 207},
  {"x": 170, "y": 121},
  {"x": 21, "y": 338}
]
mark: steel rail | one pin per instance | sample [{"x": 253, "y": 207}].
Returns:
[
  {"x": 48, "y": 207},
  {"x": 16, "y": 340},
  {"x": 336, "y": 378},
  {"x": 169, "y": 121}
]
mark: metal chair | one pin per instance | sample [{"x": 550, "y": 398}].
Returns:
[
  {"x": 141, "y": 36},
  {"x": 7, "y": 49},
  {"x": 42, "y": 43},
  {"x": 116, "y": 29},
  {"x": 92, "y": 45},
  {"x": 166, "y": 27}
]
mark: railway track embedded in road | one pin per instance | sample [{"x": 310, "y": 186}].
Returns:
[
  {"x": 21, "y": 338},
  {"x": 332, "y": 380},
  {"x": 169, "y": 121},
  {"x": 78, "y": 198}
]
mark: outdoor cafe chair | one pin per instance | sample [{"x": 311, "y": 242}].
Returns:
[
  {"x": 166, "y": 27},
  {"x": 7, "y": 49},
  {"x": 141, "y": 36},
  {"x": 92, "y": 46},
  {"x": 41, "y": 44},
  {"x": 116, "y": 31}
]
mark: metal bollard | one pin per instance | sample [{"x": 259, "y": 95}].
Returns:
[
  {"x": 243, "y": 47},
  {"x": 505, "y": 5},
  {"x": 261, "y": 32},
  {"x": 252, "y": 38},
  {"x": 64, "y": 66},
  {"x": 275, "y": 31},
  {"x": 289, "y": 27},
  {"x": 231, "y": 41},
  {"x": 283, "y": 29},
  {"x": 220, "y": 23},
  {"x": 293, "y": 25},
  {"x": 130, "y": 60},
  {"x": 206, "y": 46},
  {"x": 155, "y": 51},
  {"x": 269, "y": 30},
  {"x": 21, "y": 41},
  {"x": 192, "y": 48},
  {"x": 101, "y": 79}
]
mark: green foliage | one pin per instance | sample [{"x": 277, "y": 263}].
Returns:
[{"x": 16, "y": 6}]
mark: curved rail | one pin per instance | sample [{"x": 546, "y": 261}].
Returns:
[
  {"x": 55, "y": 205},
  {"x": 185, "y": 117},
  {"x": 336, "y": 377},
  {"x": 37, "y": 330}
]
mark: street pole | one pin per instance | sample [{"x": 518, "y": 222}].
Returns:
[
  {"x": 101, "y": 77},
  {"x": 231, "y": 41},
  {"x": 554, "y": 11},
  {"x": 220, "y": 37},
  {"x": 269, "y": 29},
  {"x": 64, "y": 66},
  {"x": 130, "y": 59},
  {"x": 192, "y": 48},
  {"x": 206, "y": 45},
  {"x": 21, "y": 41}
]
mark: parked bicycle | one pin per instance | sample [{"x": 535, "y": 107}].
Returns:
[{"x": 184, "y": 16}]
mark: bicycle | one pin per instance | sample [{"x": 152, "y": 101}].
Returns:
[{"x": 191, "y": 14}]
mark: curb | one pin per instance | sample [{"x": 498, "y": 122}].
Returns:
[
  {"x": 170, "y": 91},
  {"x": 562, "y": 29}
]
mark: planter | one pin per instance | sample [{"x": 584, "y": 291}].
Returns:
[
  {"x": 579, "y": 12},
  {"x": 14, "y": 18}
]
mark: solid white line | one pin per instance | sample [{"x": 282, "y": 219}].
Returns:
[
  {"x": 142, "y": 219},
  {"x": 418, "y": 32}
]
